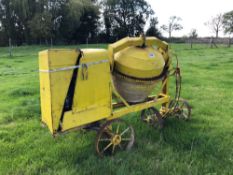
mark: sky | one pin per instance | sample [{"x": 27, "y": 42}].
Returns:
[{"x": 194, "y": 13}]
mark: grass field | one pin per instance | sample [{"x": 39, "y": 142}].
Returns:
[{"x": 202, "y": 146}]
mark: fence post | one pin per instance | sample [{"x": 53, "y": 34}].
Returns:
[
  {"x": 87, "y": 42},
  {"x": 10, "y": 48},
  {"x": 212, "y": 43},
  {"x": 229, "y": 42},
  {"x": 191, "y": 43},
  {"x": 51, "y": 42}
]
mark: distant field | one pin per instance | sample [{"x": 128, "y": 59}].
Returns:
[{"x": 202, "y": 146}]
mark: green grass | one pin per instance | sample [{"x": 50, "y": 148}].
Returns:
[{"x": 202, "y": 146}]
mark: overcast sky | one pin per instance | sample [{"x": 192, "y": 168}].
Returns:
[{"x": 194, "y": 13}]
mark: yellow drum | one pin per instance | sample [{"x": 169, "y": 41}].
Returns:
[{"x": 137, "y": 69}]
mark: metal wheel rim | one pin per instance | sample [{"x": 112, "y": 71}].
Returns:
[
  {"x": 185, "y": 110},
  {"x": 107, "y": 139},
  {"x": 156, "y": 119},
  {"x": 182, "y": 110}
]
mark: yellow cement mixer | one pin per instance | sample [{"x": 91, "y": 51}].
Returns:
[{"x": 92, "y": 88}]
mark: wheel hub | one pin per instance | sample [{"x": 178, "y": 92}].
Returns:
[{"x": 116, "y": 139}]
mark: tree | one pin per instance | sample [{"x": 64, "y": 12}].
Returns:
[
  {"x": 153, "y": 30},
  {"x": 173, "y": 25},
  {"x": 79, "y": 19},
  {"x": 8, "y": 19},
  {"x": 41, "y": 26},
  {"x": 193, "y": 34},
  {"x": 228, "y": 24},
  {"x": 39, "y": 20},
  {"x": 89, "y": 23},
  {"x": 125, "y": 17},
  {"x": 15, "y": 16},
  {"x": 215, "y": 24}
]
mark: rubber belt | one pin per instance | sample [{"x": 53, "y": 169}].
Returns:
[{"x": 70, "y": 94}]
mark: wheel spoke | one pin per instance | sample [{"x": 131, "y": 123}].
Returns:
[
  {"x": 148, "y": 119},
  {"x": 106, "y": 147},
  {"x": 117, "y": 130},
  {"x": 126, "y": 139},
  {"x": 110, "y": 140},
  {"x": 113, "y": 148},
  {"x": 124, "y": 131},
  {"x": 108, "y": 131},
  {"x": 104, "y": 140},
  {"x": 182, "y": 105}
]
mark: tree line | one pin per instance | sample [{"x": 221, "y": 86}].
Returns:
[{"x": 73, "y": 21}]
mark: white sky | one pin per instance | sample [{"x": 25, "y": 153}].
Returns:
[{"x": 194, "y": 13}]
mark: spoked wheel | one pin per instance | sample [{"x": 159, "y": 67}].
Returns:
[
  {"x": 153, "y": 117},
  {"x": 113, "y": 136},
  {"x": 181, "y": 109}
]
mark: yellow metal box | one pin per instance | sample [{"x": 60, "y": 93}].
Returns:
[{"x": 92, "y": 94}]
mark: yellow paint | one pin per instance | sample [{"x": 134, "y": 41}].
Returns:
[
  {"x": 138, "y": 62},
  {"x": 45, "y": 91},
  {"x": 138, "y": 107},
  {"x": 54, "y": 86},
  {"x": 92, "y": 94},
  {"x": 92, "y": 99},
  {"x": 95, "y": 91},
  {"x": 73, "y": 120},
  {"x": 132, "y": 42}
]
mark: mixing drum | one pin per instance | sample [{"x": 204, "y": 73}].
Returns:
[{"x": 137, "y": 70}]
